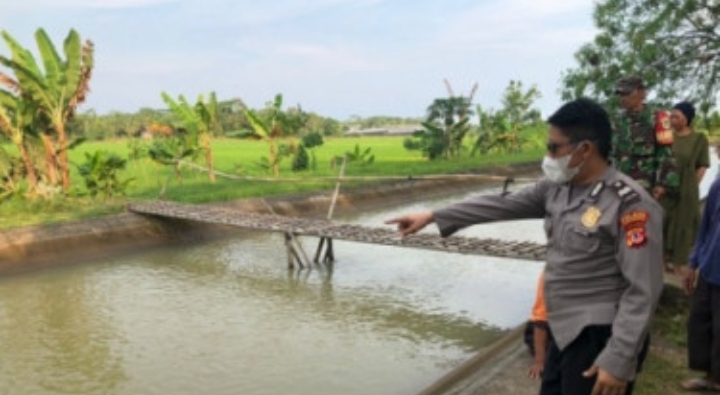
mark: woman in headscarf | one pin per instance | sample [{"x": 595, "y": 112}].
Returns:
[{"x": 692, "y": 156}]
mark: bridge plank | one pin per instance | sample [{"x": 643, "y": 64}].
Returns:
[{"x": 340, "y": 231}]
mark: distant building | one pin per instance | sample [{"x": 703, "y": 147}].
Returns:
[
  {"x": 401, "y": 130},
  {"x": 231, "y": 106},
  {"x": 404, "y": 130}
]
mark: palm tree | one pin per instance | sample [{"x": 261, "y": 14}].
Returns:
[
  {"x": 200, "y": 119},
  {"x": 57, "y": 89}
]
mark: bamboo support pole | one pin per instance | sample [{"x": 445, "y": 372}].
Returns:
[{"x": 329, "y": 256}]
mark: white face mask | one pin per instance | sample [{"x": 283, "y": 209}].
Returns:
[{"x": 557, "y": 170}]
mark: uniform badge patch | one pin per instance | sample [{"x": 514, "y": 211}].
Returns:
[
  {"x": 634, "y": 225},
  {"x": 591, "y": 216},
  {"x": 663, "y": 131}
]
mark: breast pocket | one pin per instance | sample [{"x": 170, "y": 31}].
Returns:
[
  {"x": 643, "y": 146},
  {"x": 580, "y": 240}
]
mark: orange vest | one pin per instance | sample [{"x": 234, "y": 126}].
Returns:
[{"x": 539, "y": 313}]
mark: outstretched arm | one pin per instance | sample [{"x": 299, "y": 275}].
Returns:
[{"x": 527, "y": 203}]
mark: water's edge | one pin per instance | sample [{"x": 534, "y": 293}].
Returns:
[{"x": 44, "y": 246}]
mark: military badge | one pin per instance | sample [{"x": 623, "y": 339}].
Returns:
[
  {"x": 591, "y": 216},
  {"x": 634, "y": 225}
]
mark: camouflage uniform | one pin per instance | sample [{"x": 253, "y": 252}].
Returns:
[{"x": 636, "y": 153}]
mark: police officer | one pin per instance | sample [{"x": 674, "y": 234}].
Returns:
[
  {"x": 603, "y": 275},
  {"x": 642, "y": 149}
]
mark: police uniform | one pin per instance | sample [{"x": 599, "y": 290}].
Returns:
[{"x": 603, "y": 275}]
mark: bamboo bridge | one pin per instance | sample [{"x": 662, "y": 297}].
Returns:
[{"x": 329, "y": 230}]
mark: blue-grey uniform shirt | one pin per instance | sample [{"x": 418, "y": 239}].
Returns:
[
  {"x": 604, "y": 258},
  {"x": 706, "y": 255}
]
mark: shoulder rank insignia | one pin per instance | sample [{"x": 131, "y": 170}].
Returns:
[
  {"x": 625, "y": 192},
  {"x": 633, "y": 223},
  {"x": 594, "y": 194},
  {"x": 591, "y": 216}
]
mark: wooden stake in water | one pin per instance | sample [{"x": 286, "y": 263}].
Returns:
[
  {"x": 329, "y": 255},
  {"x": 292, "y": 246}
]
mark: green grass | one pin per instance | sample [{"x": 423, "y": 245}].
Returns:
[
  {"x": 661, "y": 375},
  {"x": 239, "y": 157},
  {"x": 670, "y": 321}
]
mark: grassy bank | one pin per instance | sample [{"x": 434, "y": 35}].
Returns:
[{"x": 241, "y": 158}]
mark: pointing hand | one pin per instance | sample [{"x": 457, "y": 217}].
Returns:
[{"x": 411, "y": 223}]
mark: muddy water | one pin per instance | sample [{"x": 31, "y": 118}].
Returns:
[{"x": 228, "y": 318}]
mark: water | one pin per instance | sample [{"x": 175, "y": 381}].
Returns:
[{"x": 228, "y": 318}]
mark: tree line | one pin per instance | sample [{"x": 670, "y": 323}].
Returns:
[{"x": 231, "y": 119}]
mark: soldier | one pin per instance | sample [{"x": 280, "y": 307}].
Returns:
[
  {"x": 641, "y": 146},
  {"x": 603, "y": 275}
]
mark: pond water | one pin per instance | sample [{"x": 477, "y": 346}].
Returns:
[{"x": 227, "y": 317}]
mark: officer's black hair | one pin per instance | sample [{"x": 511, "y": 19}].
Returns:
[{"x": 583, "y": 119}]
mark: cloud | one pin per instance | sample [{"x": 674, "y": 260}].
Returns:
[
  {"x": 150, "y": 65},
  {"x": 527, "y": 27},
  {"x": 268, "y": 13},
  {"x": 28, "y": 5},
  {"x": 307, "y": 54}
]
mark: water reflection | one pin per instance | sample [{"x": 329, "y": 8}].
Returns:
[
  {"x": 312, "y": 293},
  {"x": 56, "y": 339}
]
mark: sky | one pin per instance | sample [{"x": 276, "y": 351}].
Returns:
[{"x": 338, "y": 58}]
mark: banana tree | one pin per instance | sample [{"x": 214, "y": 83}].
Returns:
[
  {"x": 269, "y": 132},
  {"x": 10, "y": 174},
  {"x": 200, "y": 119},
  {"x": 57, "y": 89},
  {"x": 16, "y": 118},
  {"x": 449, "y": 118},
  {"x": 172, "y": 150}
]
